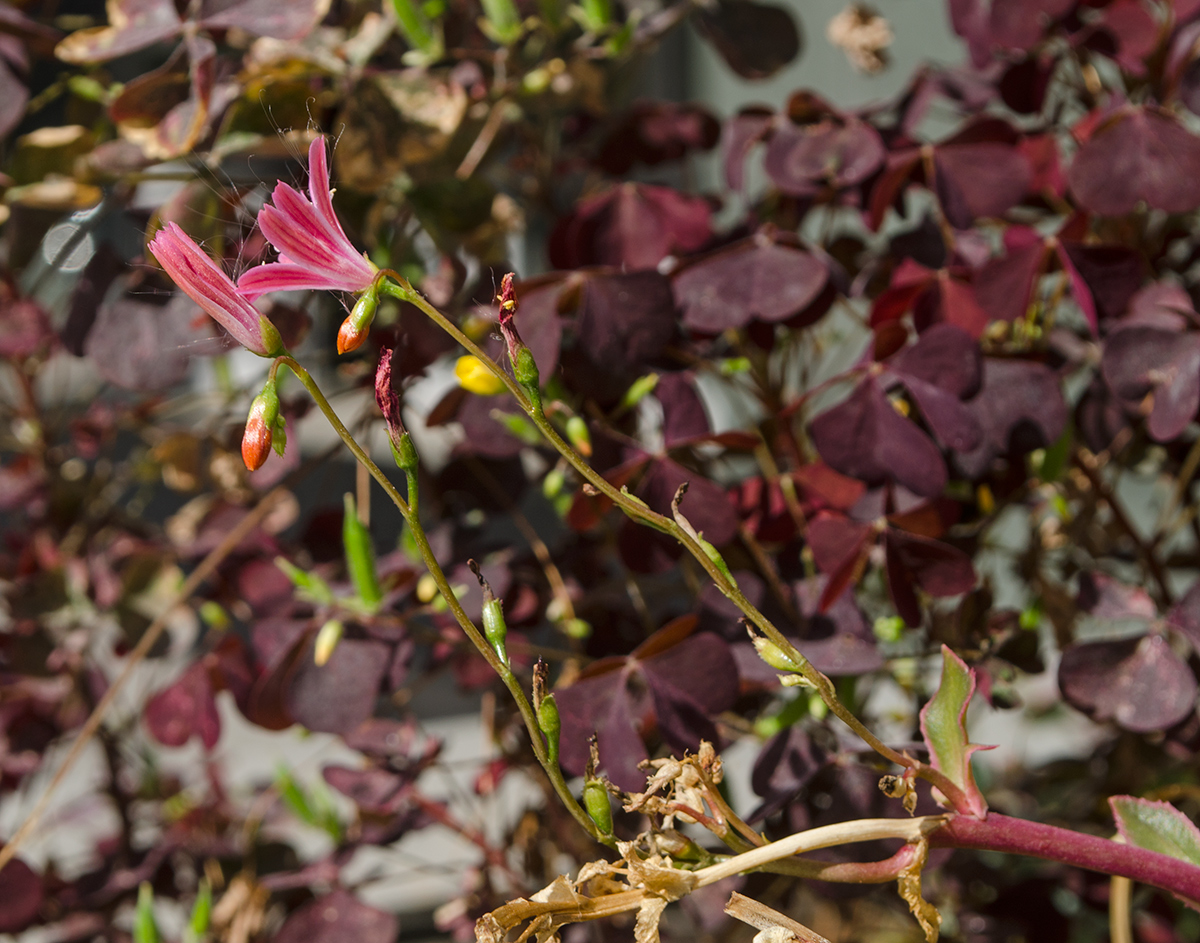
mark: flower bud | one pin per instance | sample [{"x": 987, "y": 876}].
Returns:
[
  {"x": 598, "y": 805},
  {"x": 327, "y": 639},
  {"x": 546, "y": 709},
  {"x": 495, "y": 629},
  {"x": 579, "y": 437},
  {"x": 357, "y": 326},
  {"x": 595, "y": 796},
  {"x": 261, "y": 425},
  {"x": 474, "y": 377}
]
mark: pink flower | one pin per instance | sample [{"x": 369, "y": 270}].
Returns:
[
  {"x": 313, "y": 249},
  {"x": 206, "y": 284}
]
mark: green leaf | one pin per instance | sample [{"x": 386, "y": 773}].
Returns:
[
  {"x": 309, "y": 584},
  {"x": 197, "y": 925},
  {"x": 1156, "y": 826},
  {"x": 944, "y": 727},
  {"x": 360, "y": 556},
  {"x": 145, "y": 930}
]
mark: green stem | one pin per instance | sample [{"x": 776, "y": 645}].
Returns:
[
  {"x": 408, "y": 511},
  {"x": 637, "y": 511}
]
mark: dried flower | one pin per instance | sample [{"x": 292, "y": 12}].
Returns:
[
  {"x": 863, "y": 35},
  {"x": 206, "y": 284},
  {"x": 314, "y": 251}
]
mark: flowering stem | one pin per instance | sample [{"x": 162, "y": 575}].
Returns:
[
  {"x": 401, "y": 289},
  {"x": 1018, "y": 836},
  {"x": 408, "y": 511}
]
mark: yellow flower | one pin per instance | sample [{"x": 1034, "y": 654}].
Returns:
[{"x": 476, "y": 378}]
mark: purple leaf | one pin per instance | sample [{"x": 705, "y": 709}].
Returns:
[
  {"x": 1019, "y": 407},
  {"x": 1004, "y": 285},
  {"x": 683, "y": 412},
  {"x": 755, "y": 39},
  {"x": 1185, "y": 615},
  {"x": 632, "y": 226},
  {"x": 786, "y": 764},
  {"x": 625, "y": 319},
  {"x": 21, "y": 895},
  {"x": 338, "y": 917},
  {"x": 937, "y": 567},
  {"x": 1103, "y": 278},
  {"x": 839, "y": 547},
  {"x": 653, "y": 132},
  {"x": 1141, "y": 360},
  {"x": 185, "y": 708},
  {"x": 1139, "y": 683},
  {"x": 804, "y": 159},
  {"x": 140, "y": 346},
  {"x": 979, "y": 178},
  {"x": 1138, "y": 154},
  {"x": 375, "y": 791},
  {"x": 742, "y": 131},
  {"x": 1103, "y": 597},
  {"x": 620, "y": 698},
  {"x": 865, "y": 438},
  {"x": 757, "y": 278},
  {"x": 289, "y": 21},
  {"x": 706, "y": 506},
  {"x": 340, "y": 695},
  {"x": 135, "y": 24}
]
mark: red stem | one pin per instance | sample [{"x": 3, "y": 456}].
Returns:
[{"x": 1018, "y": 836}]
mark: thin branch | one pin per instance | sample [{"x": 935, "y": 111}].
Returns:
[{"x": 1090, "y": 466}]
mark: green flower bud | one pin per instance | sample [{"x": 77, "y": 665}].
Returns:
[
  {"x": 579, "y": 437},
  {"x": 406, "y": 454},
  {"x": 546, "y": 709},
  {"x": 495, "y": 629}
]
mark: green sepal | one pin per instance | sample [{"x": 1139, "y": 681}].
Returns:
[
  {"x": 360, "y": 556},
  {"x": 279, "y": 435},
  {"x": 406, "y": 454},
  {"x": 271, "y": 339}
]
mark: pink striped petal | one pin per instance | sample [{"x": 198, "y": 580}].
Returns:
[
  {"x": 208, "y": 285},
  {"x": 286, "y": 276}
]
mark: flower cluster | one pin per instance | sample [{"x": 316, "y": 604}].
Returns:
[{"x": 314, "y": 253}]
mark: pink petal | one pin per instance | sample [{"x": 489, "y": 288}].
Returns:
[
  {"x": 288, "y": 276},
  {"x": 208, "y": 285},
  {"x": 318, "y": 186}
]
